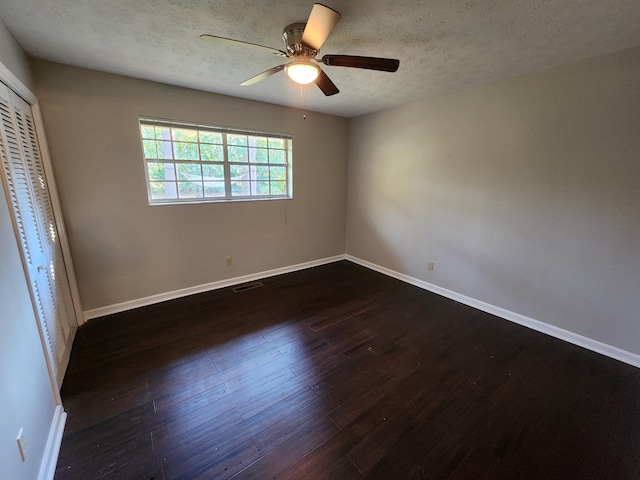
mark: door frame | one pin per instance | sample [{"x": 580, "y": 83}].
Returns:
[{"x": 15, "y": 84}]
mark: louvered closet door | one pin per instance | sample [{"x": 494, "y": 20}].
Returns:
[{"x": 36, "y": 227}]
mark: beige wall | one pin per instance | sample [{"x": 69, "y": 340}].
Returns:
[
  {"x": 26, "y": 394},
  {"x": 525, "y": 194},
  {"x": 122, "y": 248}
]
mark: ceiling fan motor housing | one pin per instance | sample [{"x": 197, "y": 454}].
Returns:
[{"x": 292, "y": 36}]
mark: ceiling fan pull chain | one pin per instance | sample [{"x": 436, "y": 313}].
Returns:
[{"x": 304, "y": 101}]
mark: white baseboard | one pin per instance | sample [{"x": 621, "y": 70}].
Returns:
[
  {"x": 566, "y": 335},
  {"x": 161, "y": 297},
  {"x": 557, "y": 332},
  {"x": 52, "y": 448}
]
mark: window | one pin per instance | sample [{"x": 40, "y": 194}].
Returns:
[{"x": 186, "y": 163}]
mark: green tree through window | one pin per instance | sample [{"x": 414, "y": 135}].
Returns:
[{"x": 187, "y": 163}]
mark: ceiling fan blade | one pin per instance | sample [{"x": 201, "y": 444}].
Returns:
[
  {"x": 321, "y": 23},
  {"x": 326, "y": 85},
  {"x": 370, "y": 63},
  {"x": 262, "y": 76},
  {"x": 275, "y": 51}
]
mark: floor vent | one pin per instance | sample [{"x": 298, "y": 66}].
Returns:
[{"x": 247, "y": 286}]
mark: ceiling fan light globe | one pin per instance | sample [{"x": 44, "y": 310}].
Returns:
[{"x": 302, "y": 72}]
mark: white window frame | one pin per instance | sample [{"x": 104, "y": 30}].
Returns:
[{"x": 167, "y": 173}]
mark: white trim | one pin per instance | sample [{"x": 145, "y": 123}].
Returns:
[
  {"x": 52, "y": 448},
  {"x": 14, "y": 83},
  {"x": 557, "y": 332},
  {"x": 183, "y": 292}
]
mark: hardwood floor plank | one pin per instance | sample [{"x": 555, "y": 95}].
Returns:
[
  {"x": 316, "y": 431},
  {"x": 217, "y": 447},
  {"x": 330, "y": 453},
  {"x": 399, "y": 417},
  {"x": 342, "y": 313},
  {"x": 95, "y": 405},
  {"x": 344, "y": 470},
  {"x": 107, "y": 446},
  {"x": 290, "y": 423},
  {"x": 221, "y": 466},
  {"x": 190, "y": 398},
  {"x": 259, "y": 377},
  {"x": 188, "y": 364},
  {"x": 189, "y": 432},
  {"x": 214, "y": 418}
]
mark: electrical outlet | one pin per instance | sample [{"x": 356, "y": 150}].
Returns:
[
  {"x": 229, "y": 261},
  {"x": 431, "y": 266},
  {"x": 22, "y": 445}
]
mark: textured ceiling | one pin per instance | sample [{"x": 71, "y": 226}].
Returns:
[{"x": 443, "y": 45}]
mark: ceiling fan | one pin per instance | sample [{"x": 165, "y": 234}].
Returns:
[{"x": 302, "y": 43}]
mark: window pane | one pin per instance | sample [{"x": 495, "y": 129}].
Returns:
[
  {"x": 258, "y": 142},
  {"x": 258, "y": 155},
  {"x": 278, "y": 188},
  {"x": 236, "y": 139},
  {"x": 262, "y": 173},
  {"x": 163, "y": 133},
  {"x": 212, "y": 153},
  {"x": 211, "y": 137},
  {"x": 186, "y": 151},
  {"x": 164, "y": 150},
  {"x": 150, "y": 150},
  {"x": 276, "y": 156},
  {"x": 263, "y": 188},
  {"x": 276, "y": 143},
  {"x": 189, "y": 171},
  {"x": 157, "y": 190},
  {"x": 185, "y": 135},
  {"x": 240, "y": 189},
  {"x": 162, "y": 190},
  {"x": 190, "y": 189},
  {"x": 214, "y": 189},
  {"x": 147, "y": 131},
  {"x": 239, "y": 172},
  {"x": 237, "y": 154},
  {"x": 213, "y": 172},
  {"x": 277, "y": 173},
  {"x": 161, "y": 171}
]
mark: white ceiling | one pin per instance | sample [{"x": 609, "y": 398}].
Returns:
[{"x": 442, "y": 45}]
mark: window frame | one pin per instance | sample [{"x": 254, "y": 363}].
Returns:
[{"x": 281, "y": 149}]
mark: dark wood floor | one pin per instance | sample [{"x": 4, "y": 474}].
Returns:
[{"x": 338, "y": 372}]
